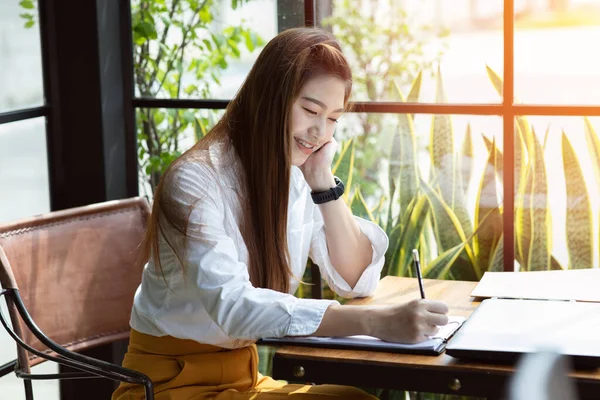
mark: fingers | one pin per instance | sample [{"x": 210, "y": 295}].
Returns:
[
  {"x": 436, "y": 306},
  {"x": 431, "y": 330},
  {"x": 436, "y": 319}
]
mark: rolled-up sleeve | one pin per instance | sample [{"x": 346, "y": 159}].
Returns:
[
  {"x": 216, "y": 278},
  {"x": 370, "y": 277}
]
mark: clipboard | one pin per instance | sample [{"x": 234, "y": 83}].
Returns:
[{"x": 434, "y": 345}]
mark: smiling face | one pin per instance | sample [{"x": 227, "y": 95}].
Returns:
[{"x": 314, "y": 115}]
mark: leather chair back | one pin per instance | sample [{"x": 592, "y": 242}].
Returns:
[{"x": 76, "y": 272}]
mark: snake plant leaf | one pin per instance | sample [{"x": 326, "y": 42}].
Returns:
[
  {"x": 539, "y": 245},
  {"x": 395, "y": 233},
  {"x": 343, "y": 165},
  {"x": 523, "y": 183},
  {"x": 413, "y": 225},
  {"x": 496, "y": 80},
  {"x": 487, "y": 205},
  {"x": 520, "y": 159},
  {"x": 593, "y": 145},
  {"x": 394, "y": 174},
  {"x": 441, "y": 266},
  {"x": 448, "y": 229},
  {"x": 442, "y": 149},
  {"x": 403, "y": 161},
  {"x": 464, "y": 160},
  {"x": 497, "y": 261},
  {"x": 523, "y": 218},
  {"x": 555, "y": 264},
  {"x": 415, "y": 90},
  {"x": 465, "y": 163},
  {"x": 359, "y": 206},
  {"x": 579, "y": 229},
  {"x": 546, "y": 136},
  {"x": 499, "y": 160}
]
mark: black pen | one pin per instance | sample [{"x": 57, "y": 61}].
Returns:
[{"x": 418, "y": 272}]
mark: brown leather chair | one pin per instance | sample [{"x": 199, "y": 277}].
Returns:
[{"x": 69, "y": 278}]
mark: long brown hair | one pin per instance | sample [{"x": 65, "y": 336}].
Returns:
[{"x": 256, "y": 124}]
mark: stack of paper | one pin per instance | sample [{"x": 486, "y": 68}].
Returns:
[{"x": 578, "y": 284}]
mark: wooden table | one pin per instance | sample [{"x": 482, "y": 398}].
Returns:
[{"x": 438, "y": 374}]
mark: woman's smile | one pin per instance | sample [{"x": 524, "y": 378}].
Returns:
[{"x": 304, "y": 146}]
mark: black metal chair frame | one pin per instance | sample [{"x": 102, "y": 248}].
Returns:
[{"x": 92, "y": 367}]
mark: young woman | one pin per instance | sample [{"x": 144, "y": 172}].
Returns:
[{"x": 233, "y": 223}]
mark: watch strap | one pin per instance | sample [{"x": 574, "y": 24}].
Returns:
[{"x": 329, "y": 195}]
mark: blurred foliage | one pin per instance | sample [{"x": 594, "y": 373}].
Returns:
[
  {"x": 178, "y": 53},
  {"x": 385, "y": 48}
]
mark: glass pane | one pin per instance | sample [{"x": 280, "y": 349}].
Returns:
[
  {"x": 206, "y": 53},
  {"x": 24, "y": 179},
  {"x": 430, "y": 183},
  {"x": 21, "y": 84},
  {"x": 557, "y": 176},
  {"x": 391, "y": 43},
  {"x": 23, "y": 169},
  {"x": 163, "y": 135},
  {"x": 556, "y": 57}
]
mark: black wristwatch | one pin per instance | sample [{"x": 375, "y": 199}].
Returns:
[{"x": 332, "y": 194}]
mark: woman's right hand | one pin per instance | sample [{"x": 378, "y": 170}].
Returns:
[{"x": 409, "y": 322}]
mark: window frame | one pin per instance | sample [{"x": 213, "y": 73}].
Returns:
[{"x": 507, "y": 110}]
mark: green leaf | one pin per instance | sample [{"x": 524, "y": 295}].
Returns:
[
  {"x": 495, "y": 79},
  {"x": 465, "y": 163},
  {"x": 579, "y": 230},
  {"x": 205, "y": 15},
  {"x": 409, "y": 231},
  {"x": 440, "y": 267},
  {"x": 29, "y": 24},
  {"x": 188, "y": 116},
  {"x": 448, "y": 229},
  {"x": 487, "y": 206},
  {"x": 343, "y": 165},
  {"x": 28, "y": 4},
  {"x": 145, "y": 29},
  {"x": 442, "y": 149},
  {"x": 250, "y": 43},
  {"x": 540, "y": 245},
  {"x": 403, "y": 163},
  {"x": 359, "y": 206},
  {"x": 497, "y": 262},
  {"x": 593, "y": 145}
]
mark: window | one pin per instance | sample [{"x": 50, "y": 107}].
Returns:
[
  {"x": 508, "y": 76},
  {"x": 23, "y": 157}
]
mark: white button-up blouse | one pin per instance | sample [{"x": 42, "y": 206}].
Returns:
[{"x": 211, "y": 299}]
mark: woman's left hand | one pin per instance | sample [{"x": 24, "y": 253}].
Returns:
[{"x": 317, "y": 167}]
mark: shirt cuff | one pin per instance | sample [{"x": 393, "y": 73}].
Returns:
[
  {"x": 307, "y": 316},
  {"x": 370, "y": 277}
]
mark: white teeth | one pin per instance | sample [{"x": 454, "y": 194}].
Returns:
[{"x": 304, "y": 144}]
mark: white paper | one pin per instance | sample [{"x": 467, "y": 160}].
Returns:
[{"x": 577, "y": 284}]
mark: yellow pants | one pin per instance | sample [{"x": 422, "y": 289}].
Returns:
[{"x": 188, "y": 370}]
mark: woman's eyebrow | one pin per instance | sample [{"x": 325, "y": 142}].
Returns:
[{"x": 319, "y": 103}]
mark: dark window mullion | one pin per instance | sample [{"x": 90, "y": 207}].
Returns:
[
  {"x": 19, "y": 115},
  {"x": 309, "y": 13},
  {"x": 508, "y": 140}
]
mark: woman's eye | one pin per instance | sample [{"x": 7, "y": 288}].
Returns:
[
  {"x": 333, "y": 120},
  {"x": 310, "y": 111}
]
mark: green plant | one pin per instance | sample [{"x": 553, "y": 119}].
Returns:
[
  {"x": 175, "y": 40},
  {"x": 432, "y": 215},
  {"x": 385, "y": 48}
]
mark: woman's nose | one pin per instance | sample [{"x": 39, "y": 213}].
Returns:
[{"x": 318, "y": 130}]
